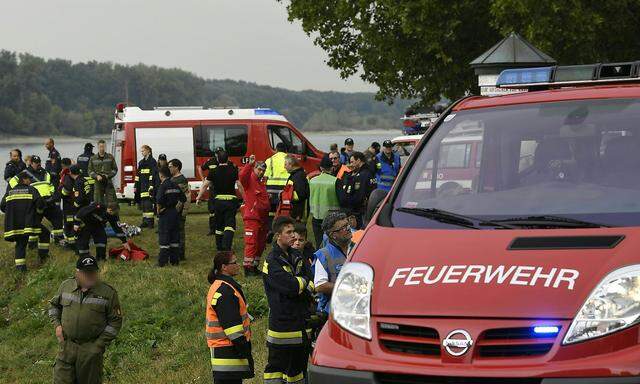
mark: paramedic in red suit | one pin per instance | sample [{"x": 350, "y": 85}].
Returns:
[{"x": 255, "y": 213}]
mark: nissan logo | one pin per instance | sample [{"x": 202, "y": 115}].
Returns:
[{"x": 458, "y": 342}]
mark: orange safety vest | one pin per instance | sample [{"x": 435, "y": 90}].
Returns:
[
  {"x": 216, "y": 335},
  {"x": 286, "y": 201}
]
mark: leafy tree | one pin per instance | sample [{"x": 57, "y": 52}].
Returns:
[{"x": 421, "y": 48}]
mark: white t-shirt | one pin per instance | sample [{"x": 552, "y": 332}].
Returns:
[{"x": 320, "y": 275}]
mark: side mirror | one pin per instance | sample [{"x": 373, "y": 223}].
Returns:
[{"x": 375, "y": 199}]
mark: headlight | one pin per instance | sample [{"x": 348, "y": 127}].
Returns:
[
  {"x": 614, "y": 305},
  {"x": 351, "y": 299}
]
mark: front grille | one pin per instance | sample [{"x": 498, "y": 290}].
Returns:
[
  {"x": 409, "y": 339},
  {"x": 390, "y": 378},
  {"x": 513, "y": 342}
]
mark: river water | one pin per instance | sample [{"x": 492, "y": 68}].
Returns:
[{"x": 73, "y": 147}]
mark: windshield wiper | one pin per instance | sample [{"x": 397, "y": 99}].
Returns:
[
  {"x": 452, "y": 218},
  {"x": 550, "y": 221}
]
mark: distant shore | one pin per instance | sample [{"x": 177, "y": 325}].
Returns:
[{"x": 22, "y": 140}]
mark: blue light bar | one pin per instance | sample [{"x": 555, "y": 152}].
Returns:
[
  {"x": 525, "y": 76},
  {"x": 546, "y": 330},
  {"x": 266, "y": 111}
]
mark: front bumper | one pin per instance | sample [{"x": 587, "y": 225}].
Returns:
[{"x": 321, "y": 375}]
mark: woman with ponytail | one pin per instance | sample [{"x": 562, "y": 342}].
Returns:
[{"x": 228, "y": 323}]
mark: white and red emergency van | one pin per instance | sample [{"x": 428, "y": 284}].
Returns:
[
  {"x": 192, "y": 134},
  {"x": 529, "y": 272}
]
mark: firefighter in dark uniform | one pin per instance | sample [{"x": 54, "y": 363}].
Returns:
[
  {"x": 145, "y": 182},
  {"x": 20, "y": 206},
  {"x": 42, "y": 182},
  {"x": 356, "y": 187},
  {"x": 14, "y": 166},
  {"x": 83, "y": 159},
  {"x": 209, "y": 166},
  {"x": 87, "y": 317},
  {"x": 167, "y": 198},
  {"x": 288, "y": 286},
  {"x": 90, "y": 218},
  {"x": 175, "y": 167},
  {"x": 68, "y": 209},
  {"x": 223, "y": 181},
  {"x": 53, "y": 165},
  {"x": 228, "y": 323}
]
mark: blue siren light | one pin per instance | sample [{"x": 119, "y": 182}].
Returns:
[
  {"x": 525, "y": 76},
  {"x": 546, "y": 330},
  {"x": 266, "y": 111}
]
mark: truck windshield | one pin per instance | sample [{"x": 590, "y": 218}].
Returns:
[{"x": 546, "y": 165}]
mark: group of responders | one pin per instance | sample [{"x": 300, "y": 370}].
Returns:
[{"x": 486, "y": 274}]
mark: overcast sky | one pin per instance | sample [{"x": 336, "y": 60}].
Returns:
[{"x": 248, "y": 40}]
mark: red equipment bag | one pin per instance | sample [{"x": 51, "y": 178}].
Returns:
[
  {"x": 286, "y": 200},
  {"x": 136, "y": 252}
]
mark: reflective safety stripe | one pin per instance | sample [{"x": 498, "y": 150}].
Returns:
[
  {"x": 144, "y": 194},
  {"x": 19, "y": 196},
  {"x": 43, "y": 246},
  {"x": 69, "y": 219},
  {"x": 21, "y": 261},
  {"x": 235, "y": 331},
  {"x": 215, "y": 335},
  {"x": 284, "y": 338},
  {"x": 165, "y": 246},
  {"x": 229, "y": 365},
  {"x": 273, "y": 376},
  {"x": 34, "y": 238},
  {"x": 299, "y": 378},
  {"x": 212, "y": 215},
  {"x": 219, "y": 232},
  {"x": 301, "y": 282},
  {"x": 137, "y": 178},
  {"x": 147, "y": 215},
  {"x": 99, "y": 245},
  {"x": 96, "y": 300},
  {"x": 229, "y": 229},
  {"x": 70, "y": 297},
  {"x": 24, "y": 231},
  {"x": 175, "y": 245},
  {"x": 216, "y": 296},
  {"x": 111, "y": 330},
  {"x": 226, "y": 197},
  {"x": 56, "y": 232},
  {"x": 145, "y": 171}
]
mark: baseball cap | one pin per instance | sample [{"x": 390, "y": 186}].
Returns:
[
  {"x": 88, "y": 146},
  {"x": 36, "y": 159},
  {"x": 388, "y": 144},
  {"x": 87, "y": 264},
  {"x": 348, "y": 141},
  {"x": 325, "y": 162}
]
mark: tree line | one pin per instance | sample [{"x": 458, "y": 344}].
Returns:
[{"x": 52, "y": 97}]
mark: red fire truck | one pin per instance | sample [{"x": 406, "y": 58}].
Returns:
[
  {"x": 527, "y": 273},
  {"x": 192, "y": 134}
]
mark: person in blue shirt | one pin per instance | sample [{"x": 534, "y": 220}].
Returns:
[
  {"x": 345, "y": 156},
  {"x": 388, "y": 166},
  {"x": 328, "y": 261}
]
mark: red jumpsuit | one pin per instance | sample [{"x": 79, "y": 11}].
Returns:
[{"x": 255, "y": 214}]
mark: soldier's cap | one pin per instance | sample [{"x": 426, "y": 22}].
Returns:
[
  {"x": 36, "y": 159},
  {"x": 87, "y": 264},
  {"x": 75, "y": 170},
  {"x": 348, "y": 141},
  {"x": 261, "y": 165},
  {"x": 387, "y": 144},
  {"x": 162, "y": 156}
]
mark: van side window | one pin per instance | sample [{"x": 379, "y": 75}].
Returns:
[
  {"x": 231, "y": 138},
  {"x": 282, "y": 134}
]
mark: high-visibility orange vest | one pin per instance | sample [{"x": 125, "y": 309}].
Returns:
[{"x": 217, "y": 336}]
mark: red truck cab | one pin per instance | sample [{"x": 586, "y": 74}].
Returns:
[
  {"x": 192, "y": 134},
  {"x": 531, "y": 273}
]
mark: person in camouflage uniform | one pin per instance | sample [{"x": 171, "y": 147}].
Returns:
[
  {"x": 102, "y": 168},
  {"x": 87, "y": 317}
]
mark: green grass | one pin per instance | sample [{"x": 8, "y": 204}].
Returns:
[{"x": 162, "y": 339}]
